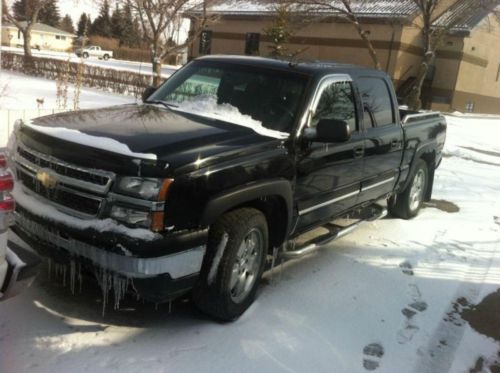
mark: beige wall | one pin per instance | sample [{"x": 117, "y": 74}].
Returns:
[
  {"x": 44, "y": 40},
  {"x": 460, "y": 69}
]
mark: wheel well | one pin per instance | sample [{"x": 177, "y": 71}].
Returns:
[
  {"x": 275, "y": 210},
  {"x": 430, "y": 159}
]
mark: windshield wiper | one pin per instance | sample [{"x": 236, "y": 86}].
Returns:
[{"x": 164, "y": 103}]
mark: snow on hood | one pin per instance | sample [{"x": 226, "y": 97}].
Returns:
[
  {"x": 49, "y": 212},
  {"x": 208, "y": 107},
  {"x": 78, "y": 137}
]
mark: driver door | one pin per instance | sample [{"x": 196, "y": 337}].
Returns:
[{"x": 329, "y": 175}]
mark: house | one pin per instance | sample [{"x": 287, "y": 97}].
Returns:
[
  {"x": 43, "y": 37},
  {"x": 464, "y": 77}
]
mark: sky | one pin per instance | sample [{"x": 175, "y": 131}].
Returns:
[{"x": 76, "y": 7}]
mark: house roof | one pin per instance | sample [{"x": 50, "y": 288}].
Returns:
[
  {"x": 464, "y": 15},
  {"x": 362, "y": 8},
  {"x": 42, "y": 27}
]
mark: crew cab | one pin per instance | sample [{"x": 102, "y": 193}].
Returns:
[
  {"x": 18, "y": 265},
  {"x": 222, "y": 169},
  {"x": 94, "y": 51}
]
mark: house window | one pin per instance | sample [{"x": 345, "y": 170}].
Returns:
[
  {"x": 469, "y": 107},
  {"x": 252, "y": 43},
  {"x": 60, "y": 37},
  {"x": 19, "y": 34},
  {"x": 205, "y": 42}
]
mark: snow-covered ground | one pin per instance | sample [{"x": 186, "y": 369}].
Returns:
[
  {"x": 133, "y": 66},
  {"x": 386, "y": 295},
  {"x": 19, "y": 94}
]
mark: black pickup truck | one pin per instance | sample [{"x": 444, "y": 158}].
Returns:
[{"x": 224, "y": 168}]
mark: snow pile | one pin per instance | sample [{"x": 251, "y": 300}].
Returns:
[
  {"x": 207, "y": 106},
  {"x": 466, "y": 140},
  {"x": 101, "y": 225},
  {"x": 89, "y": 140}
]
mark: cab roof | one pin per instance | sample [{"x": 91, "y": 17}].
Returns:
[{"x": 307, "y": 67}]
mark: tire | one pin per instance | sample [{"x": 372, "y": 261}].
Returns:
[
  {"x": 85, "y": 55},
  {"x": 233, "y": 265},
  {"x": 407, "y": 204},
  {"x": 105, "y": 57}
]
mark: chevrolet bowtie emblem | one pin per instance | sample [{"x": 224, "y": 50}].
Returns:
[{"x": 47, "y": 178}]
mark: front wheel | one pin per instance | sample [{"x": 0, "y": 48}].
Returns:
[
  {"x": 234, "y": 262},
  {"x": 407, "y": 204}
]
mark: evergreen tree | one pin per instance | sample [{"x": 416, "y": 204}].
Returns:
[
  {"x": 82, "y": 24},
  {"x": 66, "y": 24},
  {"x": 131, "y": 32},
  {"x": 49, "y": 14},
  {"x": 117, "y": 24},
  {"x": 102, "y": 24}
]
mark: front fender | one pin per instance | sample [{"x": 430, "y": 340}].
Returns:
[{"x": 229, "y": 199}]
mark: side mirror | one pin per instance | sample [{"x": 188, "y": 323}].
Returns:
[
  {"x": 147, "y": 92},
  {"x": 332, "y": 130}
]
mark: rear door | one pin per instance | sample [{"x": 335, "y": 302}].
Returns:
[
  {"x": 329, "y": 174},
  {"x": 383, "y": 142}
]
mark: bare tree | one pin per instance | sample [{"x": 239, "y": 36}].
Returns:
[
  {"x": 434, "y": 33},
  {"x": 32, "y": 13},
  {"x": 161, "y": 21},
  {"x": 344, "y": 9}
]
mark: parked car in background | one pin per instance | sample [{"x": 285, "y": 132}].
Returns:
[
  {"x": 18, "y": 265},
  {"x": 94, "y": 51}
]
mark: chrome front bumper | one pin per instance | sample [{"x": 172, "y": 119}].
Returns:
[{"x": 177, "y": 265}]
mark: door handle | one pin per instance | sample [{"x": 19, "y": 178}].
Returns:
[
  {"x": 395, "y": 143},
  {"x": 358, "y": 152}
]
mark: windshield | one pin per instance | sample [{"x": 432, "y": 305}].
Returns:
[{"x": 251, "y": 96}]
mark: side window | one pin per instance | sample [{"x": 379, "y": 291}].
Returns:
[
  {"x": 252, "y": 43},
  {"x": 377, "y": 104},
  {"x": 336, "y": 102}
]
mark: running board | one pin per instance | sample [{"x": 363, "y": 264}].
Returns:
[{"x": 293, "y": 251}]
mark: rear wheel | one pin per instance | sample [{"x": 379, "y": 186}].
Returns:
[
  {"x": 407, "y": 204},
  {"x": 85, "y": 55},
  {"x": 233, "y": 265},
  {"x": 105, "y": 57}
]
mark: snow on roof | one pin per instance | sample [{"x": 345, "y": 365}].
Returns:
[
  {"x": 367, "y": 8},
  {"x": 42, "y": 27},
  {"x": 464, "y": 15}
]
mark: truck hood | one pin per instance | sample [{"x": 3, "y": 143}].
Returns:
[{"x": 176, "y": 138}]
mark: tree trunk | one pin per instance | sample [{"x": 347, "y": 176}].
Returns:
[
  {"x": 413, "y": 99},
  {"x": 157, "y": 72},
  {"x": 27, "y": 42}
]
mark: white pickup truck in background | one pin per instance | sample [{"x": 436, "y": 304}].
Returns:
[
  {"x": 18, "y": 264},
  {"x": 94, "y": 51}
]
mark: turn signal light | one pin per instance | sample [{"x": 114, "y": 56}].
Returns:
[
  {"x": 6, "y": 182},
  {"x": 158, "y": 217},
  {"x": 7, "y": 205}
]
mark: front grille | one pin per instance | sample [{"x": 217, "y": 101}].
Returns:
[
  {"x": 61, "y": 196},
  {"x": 63, "y": 169}
]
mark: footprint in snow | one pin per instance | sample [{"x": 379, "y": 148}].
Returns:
[
  {"x": 496, "y": 219},
  {"x": 372, "y": 355},
  {"x": 407, "y": 268},
  {"x": 410, "y": 328}
]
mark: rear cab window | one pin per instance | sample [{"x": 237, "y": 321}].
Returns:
[{"x": 377, "y": 104}]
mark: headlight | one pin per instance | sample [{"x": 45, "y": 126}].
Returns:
[
  {"x": 131, "y": 216},
  {"x": 145, "y": 188}
]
